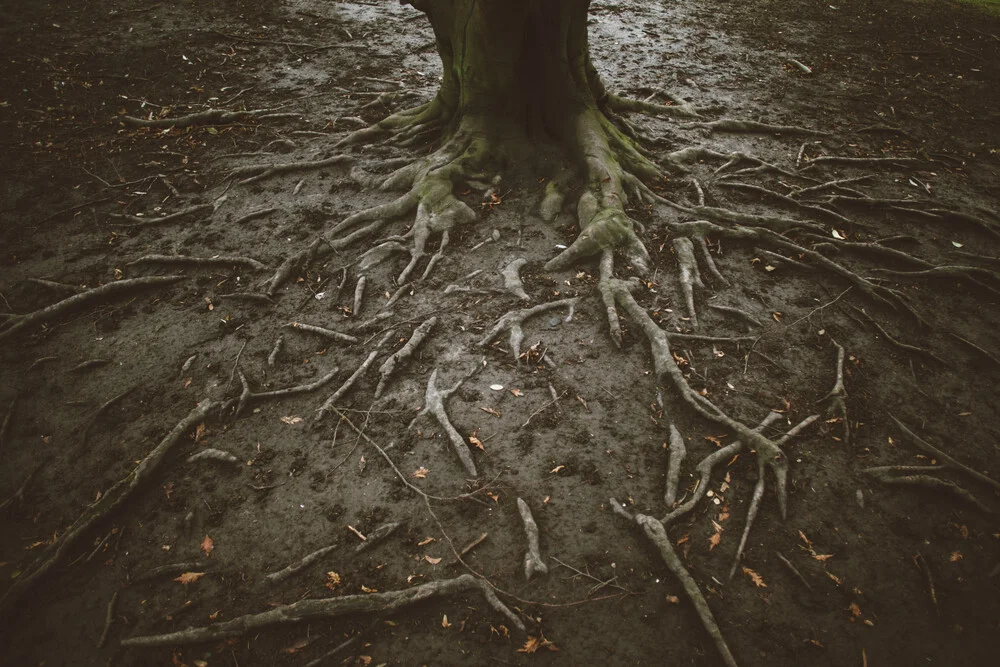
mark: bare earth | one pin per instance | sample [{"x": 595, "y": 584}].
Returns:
[{"x": 885, "y": 573}]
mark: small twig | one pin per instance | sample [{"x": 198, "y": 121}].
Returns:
[
  {"x": 794, "y": 570},
  {"x": 541, "y": 410},
  {"x": 109, "y": 618}
]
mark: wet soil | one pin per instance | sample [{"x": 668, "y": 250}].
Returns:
[{"x": 908, "y": 79}]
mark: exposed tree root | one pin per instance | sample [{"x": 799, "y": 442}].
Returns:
[
  {"x": 7, "y": 419},
  {"x": 918, "y": 560},
  {"x": 109, "y": 618},
  {"x": 689, "y": 275},
  {"x": 324, "y": 332},
  {"x": 98, "y": 511},
  {"x": 515, "y": 319},
  {"x": 262, "y": 299},
  {"x": 836, "y": 399},
  {"x": 136, "y": 221},
  {"x": 258, "y": 173},
  {"x": 254, "y": 215},
  {"x": 928, "y": 482},
  {"x": 657, "y": 534},
  {"x": 328, "y": 608},
  {"x": 736, "y": 311},
  {"x": 247, "y": 397},
  {"x": 213, "y": 455},
  {"x": 512, "y": 279},
  {"x": 678, "y": 109},
  {"x": 901, "y": 345},
  {"x": 434, "y": 400},
  {"x": 788, "y": 201},
  {"x": 751, "y": 127},
  {"x": 222, "y": 260},
  {"x": 209, "y": 117},
  {"x": 677, "y": 454},
  {"x": 975, "y": 347},
  {"x": 359, "y": 295},
  {"x": 945, "y": 458},
  {"x": 14, "y": 325},
  {"x": 279, "y": 344},
  {"x": 355, "y": 376},
  {"x": 867, "y": 161},
  {"x": 533, "y": 557},
  {"x": 403, "y": 354}
]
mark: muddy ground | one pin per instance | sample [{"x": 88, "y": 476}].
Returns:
[{"x": 888, "y": 575}]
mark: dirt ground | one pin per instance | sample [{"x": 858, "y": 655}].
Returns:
[{"x": 884, "y": 574}]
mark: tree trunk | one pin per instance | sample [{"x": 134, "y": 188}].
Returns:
[{"x": 515, "y": 64}]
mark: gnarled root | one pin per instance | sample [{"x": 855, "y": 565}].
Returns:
[
  {"x": 403, "y": 354},
  {"x": 689, "y": 276},
  {"x": 434, "y": 400},
  {"x": 514, "y": 321},
  {"x": 836, "y": 400}
]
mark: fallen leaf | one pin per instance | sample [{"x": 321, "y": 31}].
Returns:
[
  {"x": 296, "y": 647},
  {"x": 490, "y": 411},
  {"x": 754, "y": 577},
  {"x": 714, "y": 540},
  {"x": 420, "y": 473},
  {"x": 535, "y": 643},
  {"x": 957, "y": 244},
  {"x": 496, "y": 387},
  {"x": 955, "y": 556},
  {"x": 424, "y": 542},
  {"x": 494, "y": 496},
  {"x": 673, "y": 599},
  {"x": 837, "y": 580},
  {"x": 838, "y": 235},
  {"x": 207, "y": 545},
  {"x": 715, "y": 439},
  {"x": 815, "y": 642},
  {"x": 822, "y": 557},
  {"x": 365, "y": 589},
  {"x": 517, "y": 392},
  {"x": 444, "y": 621},
  {"x": 332, "y": 580},
  {"x": 291, "y": 420},
  {"x": 776, "y": 315},
  {"x": 413, "y": 577},
  {"x": 805, "y": 539},
  {"x": 189, "y": 577},
  {"x": 199, "y": 432},
  {"x": 476, "y": 442},
  {"x": 683, "y": 539},
  {"x": 769, "y": 268},
  {"x": 855, "y": 610},
  {"x": 557, "y": 469},
  {"x": 365, "y": 660},
  {"x": 432, "y": 561}
]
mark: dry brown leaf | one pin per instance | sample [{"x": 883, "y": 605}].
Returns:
[
  {"x": 199, "y": 432},
  {"x": 476, "y": 442},
  {"x": 424, "y": 542},
  {"x": 420, "y": 473},
  {"x": 535, "y": 643},
  {"x": 715, "y": 439},
  {"x": 855, "y": 610},
  {"x": 413, "y": 577},
  {"x": 517, "y": 392},
  {"x": 955, "y": 556},
  {"x": 432, "y": 561},
  {"x": 714, "y": 540},
  {"x": 332, "y": 580},
  {"x": 444, "y": 621},
  {"x": 683, "y": 539},
  {"x": 776, "y": 315},
  {"x": 208, "y": 545},
  {"x": 490, "y": 411},
  {"x": 365, "y": 660},
  {"x": 291, "y": 420},
  {"x": 365, "y": 589},
  {"x": 673, "y": 599},
  {"x": 754, "y": 577},
  {"x": 822, "y": 557},
  {"x": 557, "y": 469},
  {"x": 189, "y": 577},
  {"x": 837, "y": 580},
  {"x": 494, "y": 496}
]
